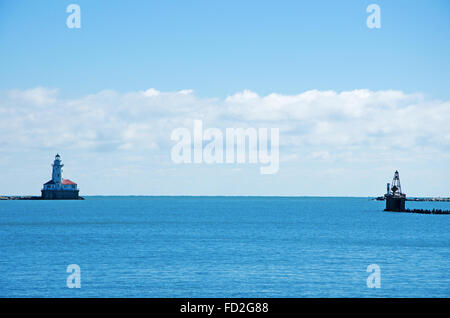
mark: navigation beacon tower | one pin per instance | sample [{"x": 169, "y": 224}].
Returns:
[
  {"x": 395, "y": 199},
  {"x": 58, "y": 188}
]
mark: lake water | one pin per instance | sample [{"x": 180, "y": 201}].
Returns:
[{"x": 222, "y": 247}]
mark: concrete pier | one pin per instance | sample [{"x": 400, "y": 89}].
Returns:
[
  {"x": 395, "y": 203},
  {"x": 60, "y": 194}
]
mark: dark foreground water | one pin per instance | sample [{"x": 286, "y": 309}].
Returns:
[{"x": 221, "y": 247}]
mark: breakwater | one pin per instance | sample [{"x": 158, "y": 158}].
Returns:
[
  {"x": 26, "y": 197},
  {"x": 19, "y": 198},
  {"x": 436, "y": 199},
  {"x": 424, "y": 211},
  {"x": 429, "y": 199}
]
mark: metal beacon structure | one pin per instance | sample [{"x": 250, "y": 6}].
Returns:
[{"x": 395, "y": 199}]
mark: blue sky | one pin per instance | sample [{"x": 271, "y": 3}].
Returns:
[
  {"x": 220, "y": 50},
  {"x": 220, "y": 47}
]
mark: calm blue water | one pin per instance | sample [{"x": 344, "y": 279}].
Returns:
[{"x": 221, "y": 247}]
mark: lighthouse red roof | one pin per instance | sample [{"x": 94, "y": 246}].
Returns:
[{"x": 67, "y": 181}]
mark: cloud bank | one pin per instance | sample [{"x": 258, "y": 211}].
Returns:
[{"x": 320, "y": 125}]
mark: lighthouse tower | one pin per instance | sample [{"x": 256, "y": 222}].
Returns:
[
  {"x": 57, "y": 171},
  {"x": 58, "y": 188}
]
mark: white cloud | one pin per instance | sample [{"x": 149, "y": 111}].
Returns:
[
  {"x": 38, "y": 96},
  {"x": 321, "y": 125}
]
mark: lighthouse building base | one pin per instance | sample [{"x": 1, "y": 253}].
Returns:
[
  {"x": 60, "y": 194},
  {"x": 395, "y": 203}
]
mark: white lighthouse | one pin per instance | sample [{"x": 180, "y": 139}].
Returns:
[
  {"x": 58, "y": 188},
  {"x": 57, "y": 171}
]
